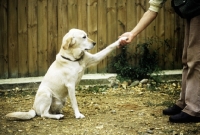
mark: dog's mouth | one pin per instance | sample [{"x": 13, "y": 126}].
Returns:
[{"x": 87, "y": 49}]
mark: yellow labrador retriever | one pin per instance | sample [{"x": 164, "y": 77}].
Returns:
[{"x": 63, "y": 75}]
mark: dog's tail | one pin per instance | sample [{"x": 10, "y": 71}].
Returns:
[{"x": 21, "y": 115}]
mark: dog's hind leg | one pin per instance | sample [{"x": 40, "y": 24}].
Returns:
[
  {"x": 42, "y": 105},
  {"x": 57, "y": 105},
  {"x": 52, "y": 116}
]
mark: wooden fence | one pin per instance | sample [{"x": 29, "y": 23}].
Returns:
[{"x": 31, "y": 31}]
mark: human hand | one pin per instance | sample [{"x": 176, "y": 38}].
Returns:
[{"x": 129, "y": 36}]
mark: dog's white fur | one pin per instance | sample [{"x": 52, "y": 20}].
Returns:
[{"x": 63, "y": 75}]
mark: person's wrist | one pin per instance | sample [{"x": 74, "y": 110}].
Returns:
[{"x": 131, "y": 36}]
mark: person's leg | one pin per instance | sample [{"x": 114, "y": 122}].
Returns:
[
  {"x": 181, "y": 100},
  {"x": 192, "y": 92},
  {"x": 180, "y": 104},
  {"x": 191, "y": 76}
]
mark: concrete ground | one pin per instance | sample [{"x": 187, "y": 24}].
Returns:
[{"x": 87, "y": 79}]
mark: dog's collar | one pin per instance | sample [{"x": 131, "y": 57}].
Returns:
[{"x": 72, "y": 60}]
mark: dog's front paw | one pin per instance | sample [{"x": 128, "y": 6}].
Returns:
[
  {"x": 79, "y": 116},
  {"x": 121, "y": 38}
]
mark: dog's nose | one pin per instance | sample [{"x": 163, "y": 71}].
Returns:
[{"x": 94, "y": 43}]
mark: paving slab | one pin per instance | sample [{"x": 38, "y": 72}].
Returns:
[
  {"x": 33, "y": 82},
  {"x": 87, "y": 79},
  {"x": 169, "y": 75}
]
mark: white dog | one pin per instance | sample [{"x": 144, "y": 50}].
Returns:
[{"x": 63, "y": 75}]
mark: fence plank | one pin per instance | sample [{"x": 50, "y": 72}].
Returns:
[
  {"x": 169, "y": 32},
  {"x": 52, "y": 31},
  {"x": 3, "y": 41},
  {"x": 12, "y": 39},
  {"x": 32, "y": 38},
  {"x": 150, "y": 31},
  {"x": 111, "y": 27},
  {"x": 160, "y": 35},
  {"x": 121, "y": 19},
  {"x": 72, "y": 14},
  {"x": 138, "y": 17},
  {"x": 102, "y": 34},
  {"x": 131, "y": 23},
  {"x": 42, "y": 37},
  {"x": 62, "y": 21},
  {"x": 92, "y": 27},
  {"x": 82, "y": 14},
  {"x": 122, "y": 11},
  {"x": 22, "y": 38},
  {"x": 178, "y": 44}
]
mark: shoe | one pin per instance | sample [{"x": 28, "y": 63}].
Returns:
[
  {"x": 172, "y": 110},
  {"x": 183, "y": 118}
]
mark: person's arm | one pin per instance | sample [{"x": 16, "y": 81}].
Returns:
[{"x": 146, "y": 19}]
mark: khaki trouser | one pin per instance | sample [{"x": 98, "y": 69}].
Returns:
[{"x": 190, "y": 94}]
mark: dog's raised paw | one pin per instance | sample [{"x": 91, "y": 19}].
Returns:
[
  {"x": 122, "y": 38},
  {"x": 79, "y": 116}
]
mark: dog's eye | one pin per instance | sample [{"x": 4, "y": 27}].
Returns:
[{"x": 84, "y": 36}]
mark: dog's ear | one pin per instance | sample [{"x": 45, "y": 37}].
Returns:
[{"x": 67, "y": 43}]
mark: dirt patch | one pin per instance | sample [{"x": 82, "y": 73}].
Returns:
[{"x": 108, "y": 111}]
